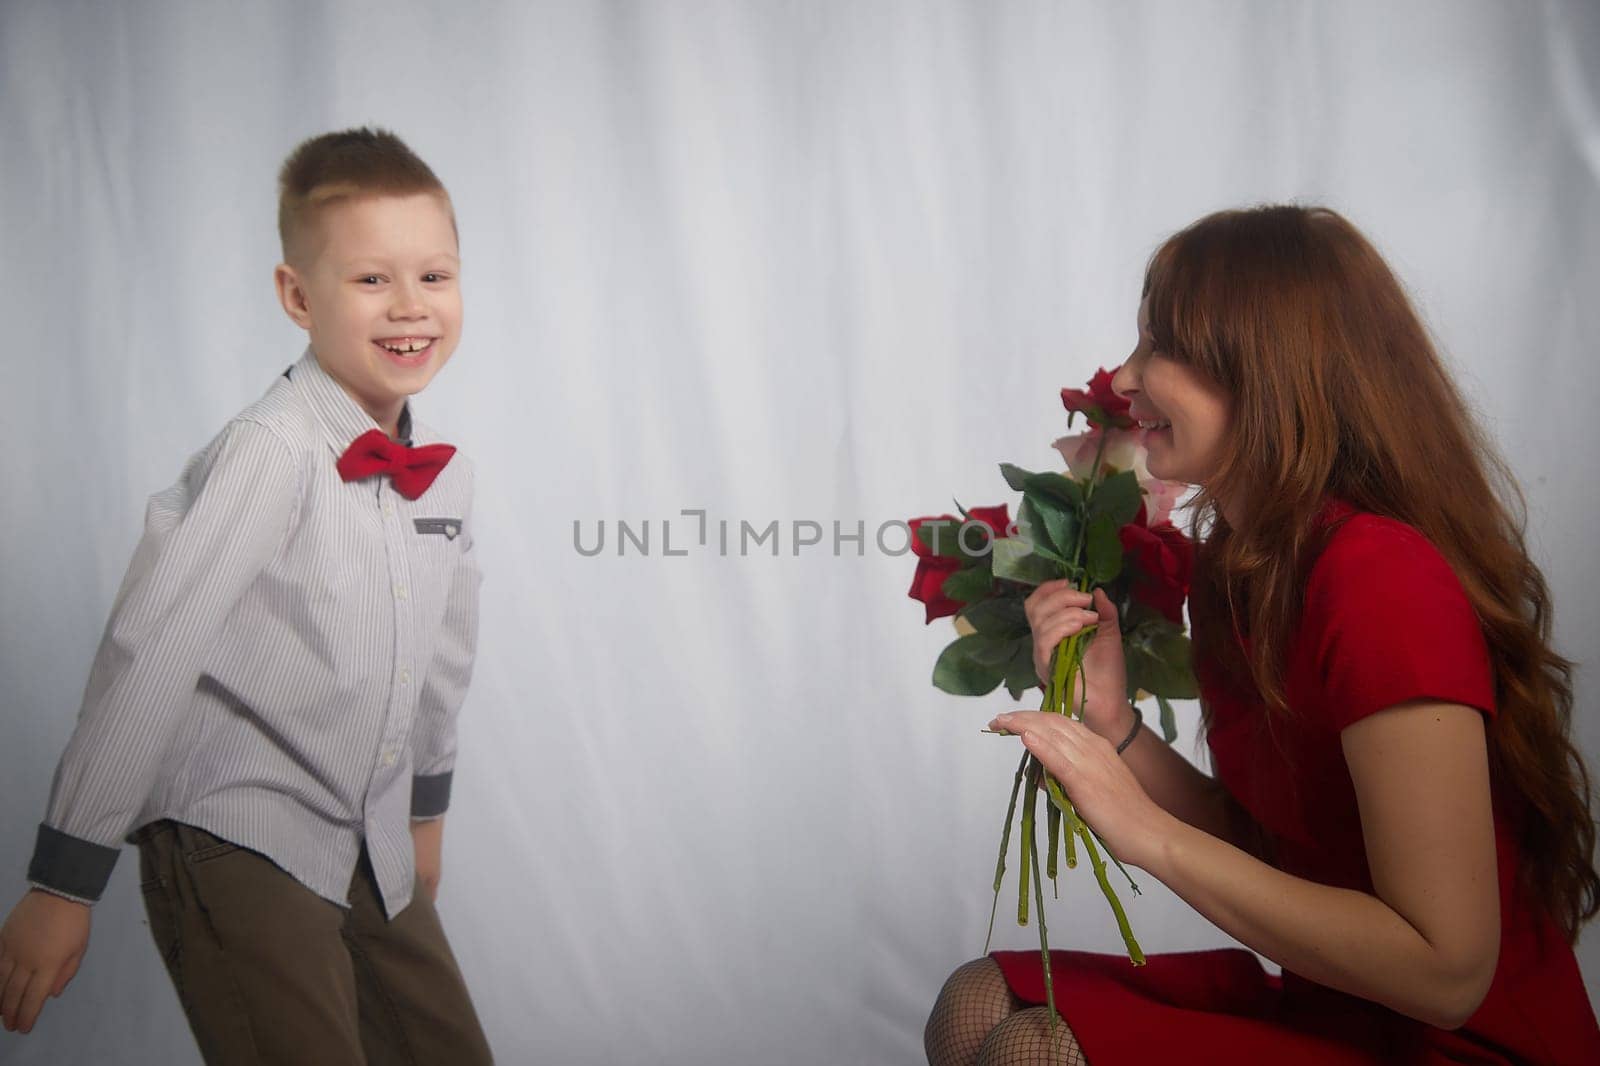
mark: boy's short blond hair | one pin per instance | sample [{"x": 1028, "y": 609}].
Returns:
[{"x": 342, "y": 165}]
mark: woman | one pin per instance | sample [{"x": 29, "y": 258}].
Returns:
[{"x": 1398, "y": 818}]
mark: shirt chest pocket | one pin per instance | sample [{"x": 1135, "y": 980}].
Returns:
[
  {"x": 448, "y": 528},
  {"x": 435, "y": 544}
]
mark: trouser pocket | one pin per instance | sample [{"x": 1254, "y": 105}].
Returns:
[
  {"x": 159, "y": 884},
  {"x": 178, "y": 867},
  {"x": 199, "y": 846}
]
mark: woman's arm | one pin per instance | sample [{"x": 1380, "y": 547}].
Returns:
[
  {"x": 1185, "y": 792},
  {"x": 1425, "y": 944}
]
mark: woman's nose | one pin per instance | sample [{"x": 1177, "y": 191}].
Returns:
[{"x": 1126, "y": 380}]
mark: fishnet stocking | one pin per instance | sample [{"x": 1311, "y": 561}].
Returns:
[
  {"x": 1024, "y": 1039},
  {"x": 972, "y": 1003}
]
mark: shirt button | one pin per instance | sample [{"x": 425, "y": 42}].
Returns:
[
  {"x": 388, "y": 507},
  {"x": 405, "y": 677},
  {"x": 388, "y": 758},
  {"x": 399, "y": 592}
]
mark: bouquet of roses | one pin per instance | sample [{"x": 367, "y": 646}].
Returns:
[{"x": 1104, "y": 522}]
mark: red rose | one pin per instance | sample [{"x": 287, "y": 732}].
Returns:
[
  {"x": 927, "y": 585},
  {"x": 1164, "y": 559},
  {"x": 1098, "y": 404}
]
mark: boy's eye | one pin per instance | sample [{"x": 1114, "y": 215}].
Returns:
[
  {"x": 370, "y": 279},
  {"x": 430, "y": 276}
]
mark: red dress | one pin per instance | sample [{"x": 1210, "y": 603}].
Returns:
[{"x": 1385, "y": 621}]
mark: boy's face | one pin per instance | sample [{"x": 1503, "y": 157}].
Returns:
[{"x": 378, "y": 290}]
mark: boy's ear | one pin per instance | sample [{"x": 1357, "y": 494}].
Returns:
[{"x": 292, "y": 295}]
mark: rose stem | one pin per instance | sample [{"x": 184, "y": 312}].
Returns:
[
  {"x": 1053, "y": 818},
  {"x": 1131, "y": 883},
  {"x": 1061, "y": 676},
  {"x": 1059, "y": 800},
  {"x": 1029, "y": 812},
  {"x": 1076, "y": 824},
  {"x": 1005, "y": 840},
  {"x": 1052, "y": 703},
  {"x": 1135, "y": 953},
  {"x": 1044, "y": 938}
]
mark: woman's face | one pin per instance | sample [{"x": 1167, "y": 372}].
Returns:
[{"x": 1186, "y": 416}]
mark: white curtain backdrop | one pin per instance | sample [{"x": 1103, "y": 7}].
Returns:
[{"x": 793, "y": 262}]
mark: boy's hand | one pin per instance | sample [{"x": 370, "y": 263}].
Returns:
[
  {"x": 41, "y": 945},
  {"x": 427, "y": 840}
]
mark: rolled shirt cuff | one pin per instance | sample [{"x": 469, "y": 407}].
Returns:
[
  {"x": 71, "y": 866},
  {"x": 62, "y": 895},
  {"x": 430, "y": 794}
]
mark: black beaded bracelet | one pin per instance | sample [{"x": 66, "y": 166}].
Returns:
[{"x": 1138, "y": 720}]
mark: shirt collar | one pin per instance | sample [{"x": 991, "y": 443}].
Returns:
[{"x": 341, "y": 418}]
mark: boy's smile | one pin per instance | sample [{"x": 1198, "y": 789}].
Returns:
[{"x": 379, "y": 294}]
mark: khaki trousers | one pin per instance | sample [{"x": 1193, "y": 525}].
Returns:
[{"x": 269, "y": 972}]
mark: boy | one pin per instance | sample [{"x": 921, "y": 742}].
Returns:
[{"x": 277, "y": 687}]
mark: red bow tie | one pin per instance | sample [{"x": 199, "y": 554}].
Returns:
[{"x": 411, "y": 470}]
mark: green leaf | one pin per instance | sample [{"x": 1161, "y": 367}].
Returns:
[
  {"x": 1117, "y": 497},
  {"x": 1136, "y": 616},
  {"x": 1060, "y": 522},
  {"x": 1145, "y": 671},
  {"x": 1169, "y": 721},
  {"x": 1015, "y": 476},
  {"x": 1019, "y": 672},
  {"x": 969, "y": 584},
  {"x": 1035, "y": 528},
  {"x": 991, "y": 650},
  {"x": 1063, "y": 568},
  {"x": 1001, "y": 616},
  {"x": 1031, "y": 528},
  {"x": 1015, "y": 562},
  {"x": 961, "y": 672},
  {"x": 1160, "y": 666},
  {"x": 1104, "y": 550},
  {"x": 1171, "y": 647},
  {"x": 1034, "y": 539},
  {"x": 947, "y": 547},
  {"x": 1064, "y": 490}
]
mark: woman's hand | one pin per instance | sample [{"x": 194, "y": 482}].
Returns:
[
  {"x": 1056, "y": 610},
  {"x": 1104, "y": 791}
]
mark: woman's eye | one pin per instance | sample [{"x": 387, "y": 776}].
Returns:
[
  {"x": 370, "y": 279},
  {"x": 432, "y": 277}
]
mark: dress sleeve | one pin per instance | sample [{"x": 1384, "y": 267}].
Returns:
[{"x": 1387, "y": 621}]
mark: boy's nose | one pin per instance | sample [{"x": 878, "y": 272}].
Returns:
[{"x": 408, "y": 303}]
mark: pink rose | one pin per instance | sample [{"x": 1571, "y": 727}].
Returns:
[{"x": 1124, "y": 451}]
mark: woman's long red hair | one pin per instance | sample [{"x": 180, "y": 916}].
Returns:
[{"x": 1337, "y": 391}]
